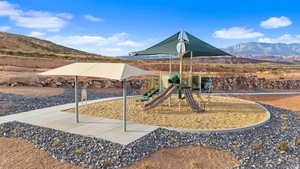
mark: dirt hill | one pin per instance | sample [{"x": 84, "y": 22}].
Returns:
[
  {"x": 24, "y": 46},
  {"x": 23, "y": 43}
]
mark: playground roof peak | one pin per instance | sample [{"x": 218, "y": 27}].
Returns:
[{"x": 192, "y": 44}]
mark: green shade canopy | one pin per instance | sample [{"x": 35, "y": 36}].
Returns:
[{"x": 193, "y": 44}]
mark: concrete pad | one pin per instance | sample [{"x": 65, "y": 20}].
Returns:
[{"x": 108, "y": 129}]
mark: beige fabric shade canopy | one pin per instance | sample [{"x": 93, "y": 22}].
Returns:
[{"x": 115, "y": 71}]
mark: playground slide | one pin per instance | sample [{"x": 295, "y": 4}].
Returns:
[
  {"x": 148, "y": 94},
  {"x": 160, "y": 98},
  {"x": 191, "y": 101}
]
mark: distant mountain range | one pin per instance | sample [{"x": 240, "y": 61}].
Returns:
[
  {"x": 257, "y": 48},
  {"x": 14, "y": 44}
]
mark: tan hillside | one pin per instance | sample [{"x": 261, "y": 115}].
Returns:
[
  {"x": 25, "y": 46},
  {"x": 16, "y": 42}
]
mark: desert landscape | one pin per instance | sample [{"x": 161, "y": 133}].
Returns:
[
  {"x": 149, "y": 85},
  {"x": 22, "y": 89}
]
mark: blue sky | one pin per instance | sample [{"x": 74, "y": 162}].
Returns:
[{"x": 115, "y": 27}]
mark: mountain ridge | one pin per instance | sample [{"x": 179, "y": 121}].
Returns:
[{"x": 260, "y": 48}]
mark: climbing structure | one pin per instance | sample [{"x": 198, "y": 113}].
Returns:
[{"x": 183, "y": 45}]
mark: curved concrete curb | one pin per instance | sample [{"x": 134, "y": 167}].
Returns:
[{"x": 252, "y": 126}]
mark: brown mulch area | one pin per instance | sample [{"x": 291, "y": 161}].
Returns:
[
  {"x": 17, "y": 154},
  {"x": 187, "y": 157},
  {"x": 221, "y": 113},
  {"x": 32, "y": 91},
  {"x": 284, "y": 101}
]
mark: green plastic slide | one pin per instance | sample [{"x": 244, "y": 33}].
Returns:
[{"x": 148, "y": 95}]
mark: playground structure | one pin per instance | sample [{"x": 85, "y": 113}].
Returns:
[
  {"x": 170, "y": 84},
  {"x": 183, "y": 45}
]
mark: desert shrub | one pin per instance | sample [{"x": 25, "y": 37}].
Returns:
[
  {"x": 148, "y": 165},
  {"x": 35, "y": 139},
  {"x": 17, "y": 132},
  {"x": 284, "y": 117},
  {"x": 195, "y": 164},
  {"x": 285, "y": 126},
  {"x": 256, "y": 146},
  {"x": 106, "y": 163},
  {"x": 234, "y": 148},
  {"x": 55, "y": 143},
  {"x": 283, "y": 146},
  {"x": 297, "y": 141},
  {"x": 174, "y": 140},
  {"x": 78, "y": 151}
]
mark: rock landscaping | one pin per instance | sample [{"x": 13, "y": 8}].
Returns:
[
  {"x": 267, "y": 146},
  {"x": 12, "y": 103}
]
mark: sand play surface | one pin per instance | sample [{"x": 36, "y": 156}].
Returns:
[{"x": 221, "y": 113}]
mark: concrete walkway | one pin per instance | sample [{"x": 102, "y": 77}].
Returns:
[{"x": 108, "y": 129}]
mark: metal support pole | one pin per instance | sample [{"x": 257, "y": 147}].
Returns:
[
  {"x": 191, "y": 70},
  {"x": 124, "y": 105},
  {"x": 180, "y": 68},
  {"x": 170, "y": 71},
  {"x": 76, "y": 101},
  {"x": 170, "y": 65}
]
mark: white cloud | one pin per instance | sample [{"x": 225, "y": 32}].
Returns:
[
  {"x": 65, "y": 15},
  {"x": 111, "y": 49},
  {"x": 34, "y": 19},
  {"x": 276, "y": 22},
  {"x": 36, "y": 34},
  {"x": 7, "y": 9},
  {"x": 77, "y": 40},
  {"x": 92, "y": 18},
  {"x": 4, "y": 28},
  {"x": 50, "y": 23},
  {"x": 236, "y": 33},
  {"x": 130, "y": 43},
  {"x": 114, "y": 45},
  {"x": 286, "y": 38}
]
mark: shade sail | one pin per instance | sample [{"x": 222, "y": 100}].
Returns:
[
  {"x": 195, "y": 45},
  {"x": 116, "y": 71}
]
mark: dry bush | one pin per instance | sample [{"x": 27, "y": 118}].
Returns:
[
  {"x": 18, "y": 132},
  {"x": 256, "y": 146},
  {"x": 148, "y": 165},
  {"x": 297, "y": 141},
  {"x": 285, "y": 126},
  {"x": 195, "y": 164},
  {"x": 283, "y": 146},
  {"x": 78, "y": 151},
  {"x": 55, "y": 144}
]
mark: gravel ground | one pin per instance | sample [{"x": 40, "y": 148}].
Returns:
[
  {"x": 254, "y": 148},
  {"x": 13, "y": 103}
]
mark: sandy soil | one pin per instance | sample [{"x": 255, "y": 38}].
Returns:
[
  {"x": 32, "y": 91},
  {"x": 33, "y": 63},
  {"x": 17, "y": 154},
  {"x": 284, "y": 101},
  {"x": 221, "y": 113},
  {"x": 187, "y": 157}
]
